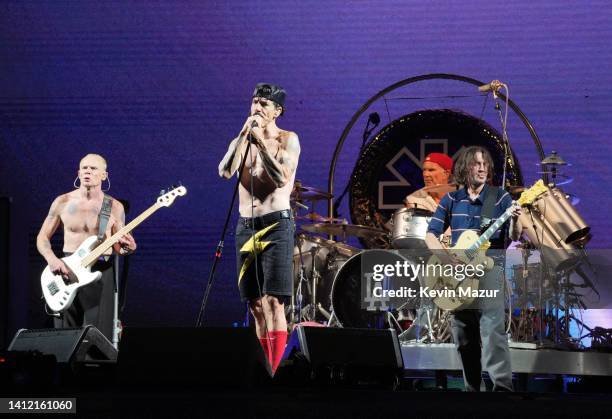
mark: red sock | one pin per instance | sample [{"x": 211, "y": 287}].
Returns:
[
  {"x": 267, "y": 350},
  {"x": 278, "y": 342}
]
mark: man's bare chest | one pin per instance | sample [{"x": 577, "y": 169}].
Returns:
[
  {"x": 79, "y": 217},
  {"x": 254, "y": 159}
]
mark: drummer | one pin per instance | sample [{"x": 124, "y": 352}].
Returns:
[{"x": 437, "y": 168}]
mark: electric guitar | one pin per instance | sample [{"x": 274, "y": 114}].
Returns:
[
  {"x": 454, "y": 294},
  {"x": 59, "y": 293}
]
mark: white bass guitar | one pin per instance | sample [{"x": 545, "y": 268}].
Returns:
[{"x": 59, "y": 292}]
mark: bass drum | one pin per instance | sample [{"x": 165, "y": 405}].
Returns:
[{"x": 346, "y": 297}]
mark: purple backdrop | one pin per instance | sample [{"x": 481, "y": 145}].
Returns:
[{"x": 159, "y": 88}]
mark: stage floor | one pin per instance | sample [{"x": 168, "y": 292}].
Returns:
[{"x": 444, "y": 356}]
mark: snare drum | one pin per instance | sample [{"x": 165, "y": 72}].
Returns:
[{"x": 410, "y": 228}]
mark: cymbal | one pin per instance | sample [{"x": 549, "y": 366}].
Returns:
[
  {"x": 319, "y": 241},
  {"x": 345, "y": 230},
  {"x": 308, "y": 193},
  {"x": 316, "y": 218},
  {"x": 553, "y": 158},
  {"x": 441, "y": 189},
  {"x": 344, "y": 249}
]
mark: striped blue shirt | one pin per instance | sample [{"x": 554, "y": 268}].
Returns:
[{"x": 458, "y": 211}]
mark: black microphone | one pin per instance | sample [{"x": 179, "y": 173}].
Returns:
[{"x": 253, "y": 125}]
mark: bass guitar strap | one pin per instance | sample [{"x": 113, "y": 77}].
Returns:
[{"x": 105, "y": 212}]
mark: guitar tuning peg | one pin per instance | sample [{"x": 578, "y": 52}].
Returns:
[{"x": 163, "y": 191}]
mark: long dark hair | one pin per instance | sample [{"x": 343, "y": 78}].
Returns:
[{"x": 461, "y": 168}]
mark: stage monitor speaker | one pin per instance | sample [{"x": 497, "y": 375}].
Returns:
[
  {"x": 73, "y": 345},
  {"x": 200, "y": 357},
  {"x": 344, "y": 355}
]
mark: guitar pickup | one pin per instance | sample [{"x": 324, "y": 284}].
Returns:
[{"x": 53, "y": 288}]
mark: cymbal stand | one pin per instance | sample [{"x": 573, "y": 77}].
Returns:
[
  {"x": 544, "y": 306},
  {"x": 315, "y": 281},
  {"x": 296, "y": 311}
]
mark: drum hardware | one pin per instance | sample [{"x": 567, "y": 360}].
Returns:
[
  {"x": 306, "y": 248},
  {"x": 560, "y": 179},
  {"x": 298, "y": 204},
  {"x": 549, "y": 167},
  {"x": 548, "y": 298},
  {"x": 436, "y": 330},
  {"x": 316, "y": 218},
  {"x": 297, "y": 299},
  {"x": 316, "y": 260},
  {"x": 345, "y": 230},
  {"x": 325, "y": 313},
  {"x": 553, "y": 227},
  {"x": 307, "y": 193}
]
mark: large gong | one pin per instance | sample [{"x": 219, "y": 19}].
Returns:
[{"x": 389, "y": 168}]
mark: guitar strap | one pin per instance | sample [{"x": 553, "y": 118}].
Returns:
[
  {"x": 486, "y": 215},
  {"x": 105, "y": 212}
]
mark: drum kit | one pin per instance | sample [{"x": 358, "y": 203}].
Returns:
[
  {"x": 317, "y": 259},
  {"x": 326, "y": 272},
  {"x": 327, "y": 269}
]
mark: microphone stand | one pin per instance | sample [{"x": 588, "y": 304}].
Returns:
[
  {"x": 366, "y": 134},
  {"x": 505, "y": 140},
  {"x": 220, "y": 245}
]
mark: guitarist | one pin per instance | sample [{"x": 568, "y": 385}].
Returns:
[
  {"x": 484, "y": 323},
  {"x": 78, "y": 211}
]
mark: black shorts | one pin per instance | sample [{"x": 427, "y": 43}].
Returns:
[{"x": 274, "y": 234}]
